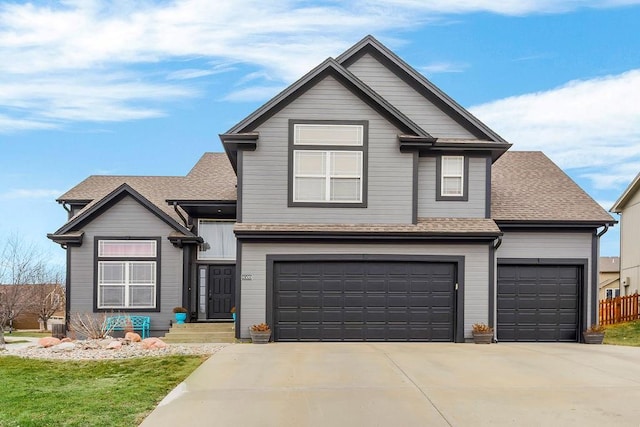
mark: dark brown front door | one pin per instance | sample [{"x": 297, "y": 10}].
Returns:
[{"x": 221, "y": 291}]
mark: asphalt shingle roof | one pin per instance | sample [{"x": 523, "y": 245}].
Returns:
[
  {"x": 424, "y": 226},
  {"x": 528, "y": 186},
  {"x": 212, "y": 178}
]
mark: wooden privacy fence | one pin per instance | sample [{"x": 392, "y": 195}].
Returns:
[{"x": 619, "y": 309}]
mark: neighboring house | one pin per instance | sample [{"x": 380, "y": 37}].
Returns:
[
  {"x": 628, "y": 206},
  {"x": 609, "y": 286},
  {"x": 369, "y": 206},
  {"x": 28, "y": 317}
]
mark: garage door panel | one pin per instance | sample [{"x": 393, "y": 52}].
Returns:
[
  {"x": 330, "y": 315},
  {"x": 353, "y": 285},
  {"x": 309, "y": 301},
  {"x": 400, "y": 316},
  {"x": 364, "y": 300},
  {"x": 354, "y": 316},
  {"x": 375, "y": 286},
  {"x": 309, "y": 316},
  {"x": 376, "y": 300},
  {"x": 354, "y": 301},
  {"x": 285, "y": 300},
  {"x": 398, "y": 301},
  {"x": 373, "y": 316},
  {"x": 538, "y": 302},
  {"x": 398, "y": 286}
]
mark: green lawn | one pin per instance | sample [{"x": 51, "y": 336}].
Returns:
[
  {"x": 623, "y": 334},
  {"x": 31, "y": 334},
  {"x": 103, "y": 393}
]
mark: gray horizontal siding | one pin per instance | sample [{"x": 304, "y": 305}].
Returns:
[
  {"x": 406, "y": 99},
  {"x": 127, "y": 218},
  {"x": 253, "y": 292},
  {"x": 265, "y": 170},
  {"x": 549, "y": 245},
  {"x": 475, "y": 207}
]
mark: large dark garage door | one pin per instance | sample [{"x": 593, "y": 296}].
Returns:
[
  {"x": 538, "y": 302},
  {"x": 364, "y": 301}
]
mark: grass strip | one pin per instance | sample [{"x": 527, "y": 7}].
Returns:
[
  {"x": 627, "y": 333},
  {"x": 41, "y": 393}
]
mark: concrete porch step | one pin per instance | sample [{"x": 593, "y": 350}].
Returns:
[
  {"x": 201, "y": 333},
  {"x": 217, "y": 326}
]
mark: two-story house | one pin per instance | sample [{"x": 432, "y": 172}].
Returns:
[
  {"x": 368, "y": 206},
  {"x": 628, "y": 206}
]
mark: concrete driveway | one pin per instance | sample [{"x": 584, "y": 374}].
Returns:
[{"x": 341, "y": 384}]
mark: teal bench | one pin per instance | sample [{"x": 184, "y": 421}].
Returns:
[{"x": 121, "y": 323}]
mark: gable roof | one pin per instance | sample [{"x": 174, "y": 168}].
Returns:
[
  {"x": 371, "y": 45},
  {"x": 328, "y": 67},
  {"x": 628, "y": 193},
  {"x": 95, "y": 209},
  {"x": 212, "y": 178},
  {"x": 609, "y": 264},
  {"x": 527, "y": 187}
]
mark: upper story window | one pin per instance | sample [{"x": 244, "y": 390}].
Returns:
[
  {"x": 219, "y": 240},
  {"x": 127, "y": 274},
  {"x": 452, "y": 178},
  {"x": 328, "y": 163}
]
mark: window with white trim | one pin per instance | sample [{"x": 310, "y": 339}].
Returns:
[
  {"x": 127, "y": 274},
  {"x": 612, "y": 293},
  {"x": 452, "y": 176},
  {"x": 328, "y": 175},
  {"x": 219, "y": 240}
]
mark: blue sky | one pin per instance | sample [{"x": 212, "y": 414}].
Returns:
[{"x": 144, "y": 88}]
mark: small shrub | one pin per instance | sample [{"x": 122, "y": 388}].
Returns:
[
  {"x": 89, "y": 325},
  {"x": 233, "y": 309},
  {"x": 595, "y": 329},
  {"x": 180, "y": 310},
  {"x": 261, "y": 327},
  {"x": 481, "y": 328}
]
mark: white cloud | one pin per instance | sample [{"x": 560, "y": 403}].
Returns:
[
  {"x": 254, "y": 93},
  {"x": 505, "y": 7},
  {"x": 10, "y": 124},
  {"x": 443, "y": 67},
  {"x": 589, "y": 126},
  {"x": 29, "y": 193},
  {"x": 61, "y": 57}
]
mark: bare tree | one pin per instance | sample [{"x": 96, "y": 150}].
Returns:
[
  {"x": 21, "y": 265},
  {"x": 46, "y": 300}
]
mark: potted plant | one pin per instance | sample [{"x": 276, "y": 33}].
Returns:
[
  {"x": 233, "y": 313},
  {"x": 594, "y": 334},
  {"x": 181, "y": 314},
  {"x": 482, "y": 334},
  {"x": 260, "y": 333}
]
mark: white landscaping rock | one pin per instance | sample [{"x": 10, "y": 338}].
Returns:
[
  {"x": 64, "y": 346},
  {"x": 96, "y": 350}
]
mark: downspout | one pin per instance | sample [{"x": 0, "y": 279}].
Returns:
[
  {"x": 497, "y": 243},
  {"x": 175, "y": 208},
  {"x": 604, "y": 230},
  {"x": 67, "y": 208}
]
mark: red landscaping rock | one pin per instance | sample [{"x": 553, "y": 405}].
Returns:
[
  {"x": 133, "y": 337},
  {"x": 153, "y": 344},
  {"x": 114, "y": 345},
  {"x": 66, "y": 339},
  {"x": 47, "y": 342}
]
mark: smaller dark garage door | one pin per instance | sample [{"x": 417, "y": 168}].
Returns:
[
  {"x": 538, "y": 302},
  {"x": 364, "y": 301}
]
